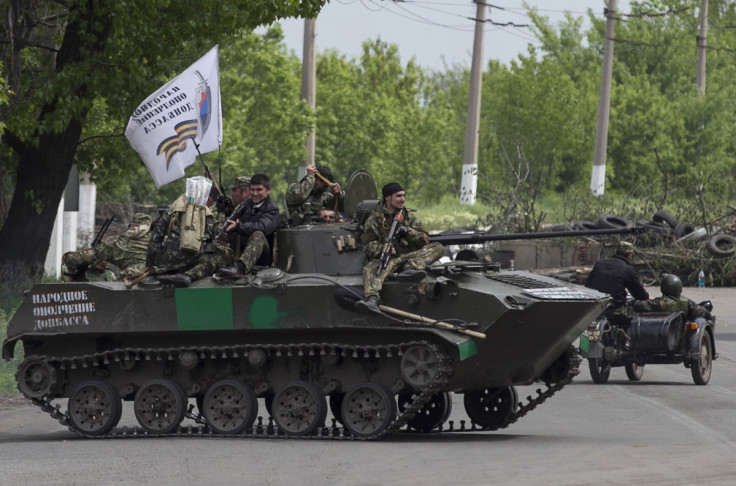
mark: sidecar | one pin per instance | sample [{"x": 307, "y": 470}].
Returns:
[{"x": 651, "y": 338}]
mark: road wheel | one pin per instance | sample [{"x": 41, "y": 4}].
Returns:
[
  {"x": 160, "y": 406},
  {"x": 492, "y": 407},
  {"x": 368, "y": 410},
  {"x": 299, "y": 408},
  {"x": 432, "y": 415},
  {"x": 702, "y": 368},
  {"x": 94, "y": 408},
  {"x": 230, "y": 407},
  {"x": 600, "y": 370},
  {"x": 634, "y": 371}
]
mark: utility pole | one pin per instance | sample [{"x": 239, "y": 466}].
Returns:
[
  {"x": 309, "y": 87},
  {"x": 702, "y": 44},
  {"x": 598, "y": 177},
  {"x": 469, "y": 183}
]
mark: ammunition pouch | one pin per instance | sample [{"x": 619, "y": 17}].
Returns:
[{"x": 193, "y": 224}]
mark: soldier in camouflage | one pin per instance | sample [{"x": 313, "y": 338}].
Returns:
[
  {"x": 673, "y": 301},
  {"x": 410, "y": 255},
  {"x": 127, "y": 253},
  {"x": 209, "y": 262},
  {"x": 257, "y": 219},
  {"x": 181, "y": 267},
  {"x": 308, "y": 196},
  {"x": 239, "y": 190}
]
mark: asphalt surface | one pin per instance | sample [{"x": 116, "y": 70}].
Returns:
[{"x": 663, "y": 430}]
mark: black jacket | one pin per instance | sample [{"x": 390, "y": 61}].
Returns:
[
  {"x": 614, "y": 276},
  {"x": 251, "y": 219}
]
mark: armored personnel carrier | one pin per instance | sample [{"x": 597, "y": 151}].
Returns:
[{"x": 290, "y": 335}]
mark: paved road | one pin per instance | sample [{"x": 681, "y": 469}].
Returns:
[{"x": 661, "y": 431}]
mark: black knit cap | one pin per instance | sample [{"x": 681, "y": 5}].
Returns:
[{"x": 391, "y": 188}]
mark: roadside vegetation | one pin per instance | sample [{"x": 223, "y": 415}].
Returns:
[{"x": 8, "y": 304}]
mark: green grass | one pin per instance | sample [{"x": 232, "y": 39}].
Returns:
[{"x": 449, "y": 213}]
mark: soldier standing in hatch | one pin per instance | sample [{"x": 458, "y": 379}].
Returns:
[
  {"x": 327, "y": 215},
  {"x": 411, "y": 253},
  {"x": 614, "y": 276},
  {"x": 127, "y": 252},
  {"x": 314, "y": 191},
  {"x": 257, "y": 221}
]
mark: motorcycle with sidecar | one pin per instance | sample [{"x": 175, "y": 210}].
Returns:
[{"x": 651, "y": 338}]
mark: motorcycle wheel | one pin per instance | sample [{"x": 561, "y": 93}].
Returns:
[
  {"x": 600, "y": 370},
  {"x": 634, "y": 371},
  {"x": 702, "y": 367}
]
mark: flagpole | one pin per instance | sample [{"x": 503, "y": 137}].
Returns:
[{"x": 207, "y": 170}]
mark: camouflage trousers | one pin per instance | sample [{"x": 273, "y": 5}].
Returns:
[
  {"x": 256, "y": 246},
  {"x": 208, "y": 264},
  {"x": 416, "y": 260}
]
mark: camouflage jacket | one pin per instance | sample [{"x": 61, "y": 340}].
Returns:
[
  {"x": 672, "y": 304},
  {"x": 305, "y": 191},
  {"x": 127, "y": 252},
  {"x": 163, "y": 247},
  {"x": 220, "y": 214},
  {"x": 378, "y": 226}
]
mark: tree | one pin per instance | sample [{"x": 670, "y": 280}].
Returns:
[
  {"x": 385, "y": 116},
  {"x": 65, "y": 60}
]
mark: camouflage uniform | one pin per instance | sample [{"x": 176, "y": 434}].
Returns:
[
  {"x": 163, "y": 247},
  {"x": 209, "y": 262},
  {"x": 414, "y": 250},
  {"x": 127, "y": 252},
  {"x": 690, "y": 309},
  {"x": 306, "y": 191}
]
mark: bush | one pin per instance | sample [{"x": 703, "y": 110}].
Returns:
[{"x": 9, "y": 302}]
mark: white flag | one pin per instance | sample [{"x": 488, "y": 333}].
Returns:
[{"x": 185, "y": 111}]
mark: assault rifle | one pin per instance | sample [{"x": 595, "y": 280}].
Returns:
[
  {"x": 78, "y": 276},
  {"x": 103, "y": 230},
  {"x": 237, "y": 212},
  {"x": 390, "y": 242}
]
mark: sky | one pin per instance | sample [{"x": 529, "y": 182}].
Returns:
[{"x": 435, "y": 32}]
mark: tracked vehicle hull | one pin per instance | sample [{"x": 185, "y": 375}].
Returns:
[
  {"x": 291, "y": 336},
  {"x": 297, "y": 340}
]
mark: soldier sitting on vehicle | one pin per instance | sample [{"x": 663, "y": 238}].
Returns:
[
  {"x": 183, "y": 250},
  {"x": 409, "y": 253},
  {"x": 311, "y": 193},
  {"x": 124, "y": 256},
  {"x": 673, "y": 301},
  {"x": 256, "y": 220}
]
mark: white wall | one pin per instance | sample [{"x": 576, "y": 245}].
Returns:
[{"x": 52, "y": 266}]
